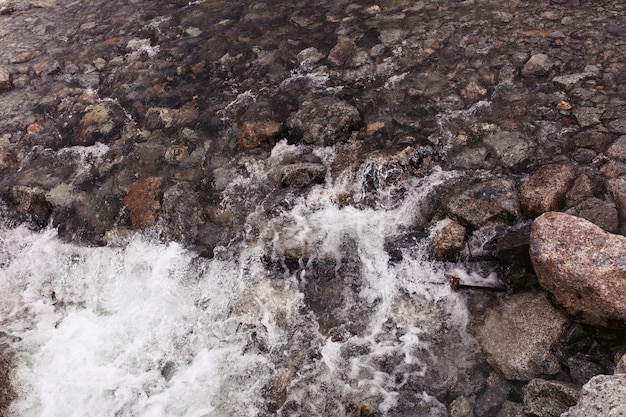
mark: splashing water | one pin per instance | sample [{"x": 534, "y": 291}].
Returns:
[{"x": 149, "y": 329}]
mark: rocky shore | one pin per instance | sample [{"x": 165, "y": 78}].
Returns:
[{"x": 136, "y": 115}]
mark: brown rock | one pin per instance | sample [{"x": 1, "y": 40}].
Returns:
[
  {"x": 31, "y": 202},
  {"x": 5, "y": 79},
  {"x": 546, "y": 189},
  {"x": 254, "y": 134},
  {"x": 7, "y": 160},
  {"x": 473, "y": 92},
  {"x": 537, "y": 65},
  {"x": 491, "y": 200},
  {"x": 582, "y": 266},
  {"x": 449, "y": 240},
  {"x": 34, "y": 128},
  {"x": 6, "y": 392},
  {"x": 341, "y": 52},
  {"x": 24, "y": 57},
  {"x": 617, "y": 150},
  {"x": 519, "y": 334},
  {"x": 142, "y": 201}
]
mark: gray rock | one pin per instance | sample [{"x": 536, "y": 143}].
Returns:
[
  {"x": 587, "y": 116},
  {"x": 617, "y": 126},
  {"x": 598, "y": 212},
  {"x": 546, "y": 189},
  {"x": 617, "y": 150},
  {"x": 496, "y": 392},
  {"x": 583, "y": 267},
  {"x": 462, "y": 407},
  {"x": 602, "y": 396},
  {"x": 488, "y": 201},
  {"x": 537, "y": 65},
  {"x": 324, "y": 121},
  {"x": 511, "y": 409},
  {"x": 302, "y": 174},
  {"x": 511, "y": 148},
  {"x": 179, "y": 217},
  {"x": 582, "y": 368},
  {"x": 5, "y": 79},
  {"x": 548, "y": 398},
  {"x": 519, "y": 334}
]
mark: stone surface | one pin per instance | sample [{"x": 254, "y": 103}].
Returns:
[
  {"x": 179, "y": 217},
  {"x": 7, "y": 394},
  {"x": 549, "y": 398},
  {"x": 5, "y": 79},
  {"x": 511, "y": 409},
  {"x": 302, "y": 174},
  {"x": 487, "y": 201},
  {"x": 449, "y": 240},
  {"x": 254, "y": 134},
  {"x": 582, "y": 266},
  {"x": 537, "y": 65},
  {"x": 602, "y": 396},
  {"x": 519, "y": 334},
  {"x": 546, "y": 189},
  {"x": 30, "y": 202},
  {"x": 491, "y": 399},
  {"x": 461, "y": 407},
  {"x": 598, "y": 212},
  {"x": 342, "y": 52},
  {"x": 143, "y": 201},
  {"x": 324, "y": 121},
  {"x": 617, "y": 150},
  {"x": 512, "y": 149}
]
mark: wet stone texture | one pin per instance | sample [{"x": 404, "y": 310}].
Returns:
[{"x": 125, "y": 115}]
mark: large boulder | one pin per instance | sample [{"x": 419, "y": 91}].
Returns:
[
  {"x": 582, "y": 266},
  {"x": 519, "y": 335},
  {"x": 602, "y": 396}
]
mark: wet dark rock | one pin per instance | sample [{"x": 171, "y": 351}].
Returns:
[
  {"x": 510, "y": 244},
  {"x": 593, "y": 139},
  {"x": 512, "y": 149},
  {"x": 617, "y": 150},
  {"x": 582, "y": 266},
  {"x": 30, "y": 203},
  {"x": 324, "y": 121},
  {"x": 301, "y": 174},
  {"x": 598, "y": 212},
  {"x": 179, "y": 213},
  {"x": 255, "y": 134},
  {"x": 511, "y": 409},
  {"x": 100, "y": 123},
  {"x": 544, "y": 398},
  {"x": 582, "y": 189},
  {"x": 8, "y": 160},
  {"x": 7, "y": 394},
  {"x": 5, "y": 80},
  {"x": 494, "y": 395},
  {"x": 546, "y": 189},
  {"x": 143, "y": 201},
  {"x": 583, "y": 367},
  {"x": 487, "y": 201},
  {"x": 603, "y": 395},
  {"x": 617, "y": 126},
  {"x": 473, "y": 92},
  {"x": 341, "y": 52},
  {"x": 519, "y": 334}
]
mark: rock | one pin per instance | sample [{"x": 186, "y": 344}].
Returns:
[
  {"x": 30, "y": 202},
  {"x": 495, "y": 393},
  {"x": 582, "y": 368},
  {"x": 617, "y": 190},
  {"x": 512, "y": 149},
  {"x": 25, "y": 56},
  {"x": 603, "y": 396},
  {"x": 449, "y": 240},
  {"x": 538, "y": 65},
  {"x": 309, "y": 56},
  {"x": 179, "y": 217},
  {"x": 548, "y": 398},
  {"x": 462, "y": 407},
  {"x": 582, "y": 266},
  {"x": 546, "y": 189},
  {"x": 324, "y": 121},
  {"x": 6, "y": 391},
  {"x": 473, "y": 92},
  {"x": 302, "y": 174},
  {"x": 341, "y": 52},
  {"x": 100, "y": 123},
  {"x": 519, "y": 334},
  {"x": 617, "y": 126},
  {"x": 176, "y": 154},
  {"x": 598, "y": 212},
  {"x": 7, "y": 160},
  {"x": 582, "y": 188},
  {"x": 617, "y": 150},
  {"x": 587, "y": 116},
  {"x": 142, "y": 201},
  {"x": 488, "y": 201},
  {"x": 511, "y": 409},
  {"x": 5, "y": 80},
  {"x": 254, "y": 134}
]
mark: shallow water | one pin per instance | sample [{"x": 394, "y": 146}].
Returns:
[{"x": 145, "y": 328}]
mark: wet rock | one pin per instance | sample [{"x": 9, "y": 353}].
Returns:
[
  {"x": 5, "y": 80},
  {"x": 582, "y": 368},
  {"x": 582, "y": 266},
  {"x": 512, "y": 149},
  {"x": 582, "y": 188},
  {"x": 602, "y": 396},
  {"x": 25, "y": 56},
  {"x": 309, "y": 56},
  {"x": 324, "y": 121},
  {"x": 617, "y": 190},
  {"x": 617, "y": 126},
  {"x": 179, "y": 216},
  {"x": 450, "y": 239},
  {"x": 255, "y": 134},
  {"x": 546, "y": 189},
  {"x": 8, "y": 160},
  {"x": 163, "y": 117},
  {"x": 511, "y": 409},
  {"x": 462, "y": 407},
  {"x": 587, "y": 116},
  {"x": 597, "y": 212},
  {"x": 6, "y": 391},
  {"x": 538, "y": 65},
  {"x": 176, "y": 154},
  {"x": 593, "y": 139},
  {"x": 496, "y": 392},
  {"x": 548, "y": 398},
  {"x": 100, "y": 123},
  {"x": 143, "y": 202},
  {"x": 29, "y": 202},
  {"x": 341, "y": 52},
  {"x": 473, "y": 92},
  {"x": 302, "y": 174},
  {"x": 617, "y": 150},
  {"x": 519, "y": 334},
  {"x": 487, "y": 201}
]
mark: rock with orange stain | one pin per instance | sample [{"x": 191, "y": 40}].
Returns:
[
  {"x": 34, "y": 128},
  {"x": 254, "y": 134},
  {"x": 143, "y": 202}
]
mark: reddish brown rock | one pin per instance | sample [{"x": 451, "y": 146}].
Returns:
[
  {"x": 449, "y": 240},
  {"x": 342, "y": 52},
  {"x": 254, "y": 134},
  {"x": 5, "y": 79},
  {"x": 546, "y": 189},
  {"x": 582, "y": 266},
  {"x": 142, "y": 201}
]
